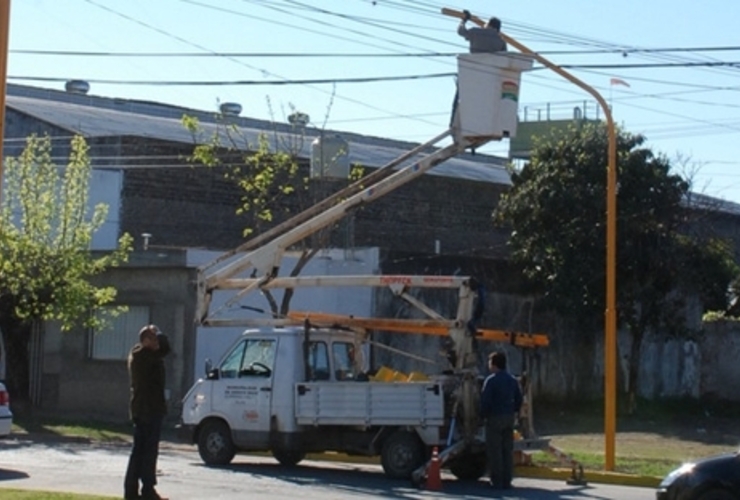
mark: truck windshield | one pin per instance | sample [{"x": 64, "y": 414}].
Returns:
[{"x": 249, "y": 357}]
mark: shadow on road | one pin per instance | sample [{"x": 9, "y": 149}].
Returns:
[
  {"x": 9, "y": 475},
  {"x": 355, "y": 481}
]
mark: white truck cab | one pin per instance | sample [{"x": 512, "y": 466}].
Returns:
[{"x": 291, "y": 391}]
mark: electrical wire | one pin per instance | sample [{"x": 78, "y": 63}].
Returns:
[
  {"x": 211, "y": 83},
  {"x": 144, "y": 54},
  {"x": 424, "y": 8}
]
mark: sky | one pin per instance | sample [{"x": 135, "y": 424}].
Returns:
[{"x": 686, "y": 101}]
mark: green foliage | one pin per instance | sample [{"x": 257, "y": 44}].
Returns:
[
  {"x": 45, "y": 234},
  {"x": 266, "y": 175},
  {"x": 557, "y": 211},
  {"x": 356, "y": 172}
]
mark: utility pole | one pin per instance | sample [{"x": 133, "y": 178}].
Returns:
[
  {"x": 4, "y": 36},
  {"x": 610, "y": 314}
]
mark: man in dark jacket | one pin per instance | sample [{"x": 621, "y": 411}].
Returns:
[
  {"x": 147, "y": 409},
  {"x": 500, "y": 402},
  {"x": 486, "y": 39}
]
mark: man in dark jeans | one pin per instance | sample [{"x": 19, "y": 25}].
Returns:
[
  {"x": 501, "y": 400},
  {"x": 147, "y": 409}
]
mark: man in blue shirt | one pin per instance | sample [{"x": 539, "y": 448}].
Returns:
[{"x": 500, "y": 402}]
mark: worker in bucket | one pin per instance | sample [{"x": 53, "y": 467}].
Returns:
[
  {"x": 500, "y": 402},
  {"x": 486, "y": 39}
]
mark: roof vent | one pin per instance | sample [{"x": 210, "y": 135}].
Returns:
[
  {"x": 230, "y": 108},
  {"x": 77, "y": 87},
  {"x": 298, "y": 119}
]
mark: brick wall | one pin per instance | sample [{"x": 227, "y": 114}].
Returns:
[{"x": 195, "y": 206}]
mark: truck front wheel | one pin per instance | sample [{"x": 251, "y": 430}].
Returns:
[
  {"x": 288, "y": 458},
  {"x": 402, "y": 453},
  {"x": 215, "y": 445}
]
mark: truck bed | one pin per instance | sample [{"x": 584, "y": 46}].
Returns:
[{"x": 369, "y": 403}]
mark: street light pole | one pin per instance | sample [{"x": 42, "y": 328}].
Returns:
[
  {"x": 610, "y": 319},
  {"x": 4, "y": 36}
]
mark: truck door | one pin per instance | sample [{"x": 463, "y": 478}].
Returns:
[{"x": 243, "y": 391}]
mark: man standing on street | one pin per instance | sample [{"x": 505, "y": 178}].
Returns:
[
  {"x": 501, "y": 400},
  {"x": 148, "y": 408}
]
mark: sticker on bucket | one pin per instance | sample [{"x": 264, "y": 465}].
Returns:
[{"x": 510, "y": 90}]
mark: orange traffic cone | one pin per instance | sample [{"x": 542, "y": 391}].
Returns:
[{"x": 434, "y": 476}]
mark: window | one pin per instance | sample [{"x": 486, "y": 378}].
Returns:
[
  {"x": 318, "y": 361},
  {"x": 232, "y": 363},
  {"x": 251, "y": 357},
  {"x": 344, "y": 360},
  {"x": 115, "y": 340}
]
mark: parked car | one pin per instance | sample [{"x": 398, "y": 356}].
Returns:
[
  {"x": 714, "y": 478},
  {"x": 6, "y": 417}
]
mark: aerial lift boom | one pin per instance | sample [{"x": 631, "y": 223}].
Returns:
[{"x": 488, "y": 88}]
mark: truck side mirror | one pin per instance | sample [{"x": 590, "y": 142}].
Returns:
[{"x": 211, "y": 372}]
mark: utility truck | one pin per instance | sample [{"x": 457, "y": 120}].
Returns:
[{"x": 299, "y": 384}]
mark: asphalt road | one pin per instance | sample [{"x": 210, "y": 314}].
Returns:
[{"x": 99, "y": 470}]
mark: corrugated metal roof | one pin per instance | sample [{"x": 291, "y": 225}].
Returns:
[{"x": 103, "y": 117}]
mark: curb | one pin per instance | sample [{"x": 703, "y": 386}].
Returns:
[
  {"x": 590, "y": 476},
  {"x": 528, "y": 471}
]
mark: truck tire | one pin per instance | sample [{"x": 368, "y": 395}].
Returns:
[
  {"x": 469, "y": 467},
  {"x": 402, "y": 454},
  {"x": 215, "y": 445},
  {"x": 288, "y": 458}
]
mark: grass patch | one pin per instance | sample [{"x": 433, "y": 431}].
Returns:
[
  {"x": 626, "y": 465},
  {"x": 46, "y": 495},
  {"x": 655, "y": 439},
  {"x": 70, "y": 429}
]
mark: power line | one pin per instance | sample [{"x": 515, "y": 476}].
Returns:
[
  {"x": 332, "y": 94},
  {"x": 696, "y": 64},
  {"x": 212, "y": 83},
  {"x": 73, "y": 53},
  {"x": 555, "y": 36},
  {"x": 144, "y": 54}
]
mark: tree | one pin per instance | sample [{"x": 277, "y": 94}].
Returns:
[
  {"x": 556, "y": 209},
  {"x": 45, "y": 260},
  {"x": 270, "y": 178}
]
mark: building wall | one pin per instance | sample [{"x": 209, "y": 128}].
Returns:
[
  {"x": 72, "y": 382},
  {"x": 105, "y": 184},
  {"x": 195, "y": 207}
]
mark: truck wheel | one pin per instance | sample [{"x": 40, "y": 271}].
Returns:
[
  {"x": 288, "y": 458},
  {"x": 215, "y": 445},
  {"x": 402, "y": 453},
  {"x": 470, "y": 467}
]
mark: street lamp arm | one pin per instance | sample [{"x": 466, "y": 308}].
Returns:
[{"x": 610, "y": 326}]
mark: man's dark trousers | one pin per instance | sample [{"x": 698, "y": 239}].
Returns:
[
  {"x": 142, "y": 463},
  {"x": 500, "y": 449}
]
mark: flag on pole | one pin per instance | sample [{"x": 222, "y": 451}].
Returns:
[{"x": 618, "y": 81}]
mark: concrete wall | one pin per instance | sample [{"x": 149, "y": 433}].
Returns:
[
  {"x": 720, "y": 351},
  {"x": 189, "y": 206},
  {"x": 73, "y": 382}
]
